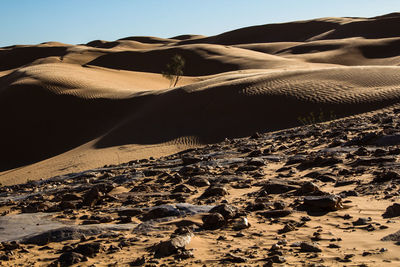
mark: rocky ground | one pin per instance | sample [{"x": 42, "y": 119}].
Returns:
[{"x": 319, "y": 195}]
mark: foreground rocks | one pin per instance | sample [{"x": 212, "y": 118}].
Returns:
[{"x": 291, "y": 197}]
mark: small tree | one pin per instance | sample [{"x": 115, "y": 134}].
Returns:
[{"x": 174, "y": 70}]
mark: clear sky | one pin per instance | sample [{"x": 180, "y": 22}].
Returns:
[{"x": 81, "y": 21}]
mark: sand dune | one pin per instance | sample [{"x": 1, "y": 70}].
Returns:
[{"x": 66, "y": 107}]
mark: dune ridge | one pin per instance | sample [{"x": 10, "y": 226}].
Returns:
[{"x": 66, "y": 108}]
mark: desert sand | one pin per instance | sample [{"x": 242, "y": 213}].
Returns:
[
  {"x": 107, "y": 102},
  {"x": 100, "y": 120}
]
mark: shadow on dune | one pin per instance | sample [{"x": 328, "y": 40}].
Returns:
[
  {"x": 199, "y": 61},
  {"x": 39, "y": 124},
  {"x": 16, "y": 57},
  {"x": 213, "y": 115}
]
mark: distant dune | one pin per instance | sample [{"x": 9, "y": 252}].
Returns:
[{"x": 65, "y": 108}]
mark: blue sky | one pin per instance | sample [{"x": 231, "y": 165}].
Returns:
[{"x": 81, "y": 21}]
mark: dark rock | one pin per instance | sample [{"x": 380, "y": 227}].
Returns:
[
  {"x": 90, "y": 221},
  {"x": 161, "y": 212},
  {"x": 184, "y": 255},
  {"x": 182, "y": 188},
  {"x": 92, "y": 197},
  {"x": 287, "y": 228},
  {"x": 386, "y": 176},
  {"x": 348, "y": 193},
  {"x": 373, "y": 161},
  {"x": 227, "y": 211},
  {"x": 125, "y": 219},
  {"x": 138, "y": 261},
  {"x": 70, "y": 258},
  {"x": 215, "y": 191},
  {"x": 199, "y": 181},
  {"x": 279, "y": 205},
  {"x": 240, "y": 223},
  {"x": 392, "y": 237},
  {"x": 361, "y": 221},
  {"x": 35, "y": 207},
  {"x": 213, "y": 221},
  {"x": 392, "y": 211},
  {"x": 362, "y": 139},
  {"x": 247, "y": 168},
  {"x": 275, "y": 213},
  {"x": 172, "y": 246},
  {"x": 387, "y": 140},
  {"x": 309, "y": 247},
  {"x": 89, "y": 249},
  {"x": 102, "y": 218},
  {"x": 255, "y": 153},
  {"x": 326, "y": 203},
  {"x": 71, "y": 197},
  {"x": 309, "y": 188},
  {"x": 318, "y": 162},
  {"x": 233, "y": 259},
  {"x": 10, "y": 245},
  {"x": 277, "y": 259},
  {"x": 59, "y": 235},
  {"x": 131, "y": 212},
  {"x": 344, "y": 182},
  {"x": 256, "y": 206},
  {"x": 65, "y": 205},
  {"x": 256, "y": 162},
  {"x": 277, "y": 187},
  {"x": 187, "y": 160}
]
